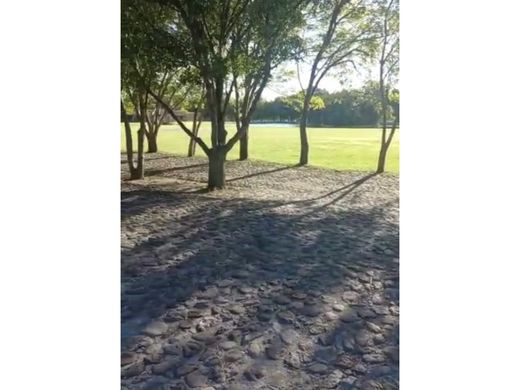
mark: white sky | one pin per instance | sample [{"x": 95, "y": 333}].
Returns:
[{"x": 332, "y": 82}]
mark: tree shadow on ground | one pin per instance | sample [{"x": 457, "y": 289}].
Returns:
[
  {"x": 156, "y": 172},
  {"x": 255, "y": 267},
  {"x": 262, "y": 173}
]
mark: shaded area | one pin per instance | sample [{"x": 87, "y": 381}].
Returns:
[
  {"x": 317, "y": 285},
  {"x": 154, "y": 172}
]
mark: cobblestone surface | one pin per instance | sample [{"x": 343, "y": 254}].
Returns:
[{"x": 288, "y": 279}]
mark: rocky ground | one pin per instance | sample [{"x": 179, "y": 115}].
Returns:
[{"x": 288, "y": 279}]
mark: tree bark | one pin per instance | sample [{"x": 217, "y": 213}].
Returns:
[
  {"x": 382, "y": 158},
  {"x": 139, "y": 172},
  {"x": 128, "y": 139},
  {"x": 197, "y": 120},
  {"x": 216, "y": 176},
  {"x": 304, "y": 142},
  {"x": 151, "y": 137},
  {"x": 244, "y": 145}
]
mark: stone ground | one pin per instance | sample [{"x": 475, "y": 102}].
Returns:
[{"x": 288, "y": 279}]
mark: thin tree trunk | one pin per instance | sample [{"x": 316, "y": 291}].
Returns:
[
  {"x": 195, "y": 129},
  {"x": 244, "y": 145},
  {"x": 140, "y": 154},
  {"x": 304, "y": 142},
  {"x": 382, "y": 158},
  {"x": 385, "y": 145},
  {"x": 217, "y": 176},
  {"x": 129, "y": 145}
]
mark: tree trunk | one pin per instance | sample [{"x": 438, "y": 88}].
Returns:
[
  {"x": 382, "y": 158},
  {"x": 139, "y": 171},
  {"x": 191, "y": 148},
  {"x": 244, "y": 145},
  {"x": 151, "y": 137},
  {"x": 304, "y": 142},
  {"x": 217, "y": 177},
  {"x": 195, "y": 130},
  {"x": 129, "y": 145}
]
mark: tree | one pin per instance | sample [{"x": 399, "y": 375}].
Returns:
[
  {"x": 216, "y": 32},
  {"x": 145, "y": 64},
  {"x": 296, "y": 103},
  {"x": 136, "y": 172},
  {"x": 388, "y": 24},
  {"x": 338, "y": 35}
]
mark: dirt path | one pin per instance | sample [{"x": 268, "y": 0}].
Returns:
[{"x": 288, "y": 279}]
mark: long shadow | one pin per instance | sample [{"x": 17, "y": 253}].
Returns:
[
  {"x": 155, "y": 172},
  {"x": 262, "y": 173},
  {"x": 251, "y": 256}
]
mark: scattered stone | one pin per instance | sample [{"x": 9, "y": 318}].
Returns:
[
  {"x": 274, "y": 350},
  {"x": 286, "y": 317},
  {"x": 297, "y": 305},
  {"x": 311, "y": 311},
  {"x": 227, "y": 345},
  {"x": 374, "y": 328},
  {"x": 366, "y": 313},
  {"x": 233, "y": 356},
  {"x": 165, "y": 366},
  {"x": 237, "y": 309},
  {"x": 332, "y": 380},
  {"x": 363, "y": 338},
  {"x": 133, "y": 369},
  {"x": 185, "y": 325},
  {"x": 256, "y": 348},
  {"x": 155, "y": 328},
  {"x": 210, "y": 293},
  {"x": 196, "y": 379},
  {"x": 299, "y": 295},
  {"x": 350, "y": 296},
  {"x": 289, "y": 336},
  {"x": 338, "y": 307},
  {"x": 316, "y": 329},
  {"x": 194, "y": 313},
  {"x": 345, "y": 361},
  {"x": 377, "y": 299},
  {"x": 281, "y": 300},
  {"x": 318, "y": 368},
  {"x": 293, "y": 360},
  {"x": 373, "y": 358},
  {"x": 173, "y": 349},
  {"x": 331, "y": 316},
  {"x": 191, "y": 348},
  {"x": 186, "y": 369},
  {"x": 245, "y": 289},
  {"x": 348, "y": 383},
  {"x": 349, "y": 316},
  {"x": 360, "y": 367},
  {"x": 128, "y": 357}
]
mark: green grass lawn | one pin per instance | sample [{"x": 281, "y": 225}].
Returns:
[{"x": 337, "y": 148}]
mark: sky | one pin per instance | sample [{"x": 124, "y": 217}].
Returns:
[{"x": 332, "y": 82}]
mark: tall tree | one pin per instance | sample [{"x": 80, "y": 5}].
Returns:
[
  {"x": 388, "y": 25},
  {"x": 338, "y": 34},
  {"x": 216, "y": 32}
]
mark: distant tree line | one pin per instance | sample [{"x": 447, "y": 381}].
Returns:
[{"x": 347, "y": 108}]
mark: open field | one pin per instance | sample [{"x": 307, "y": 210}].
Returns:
[{"x": 336, "y": 148}]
